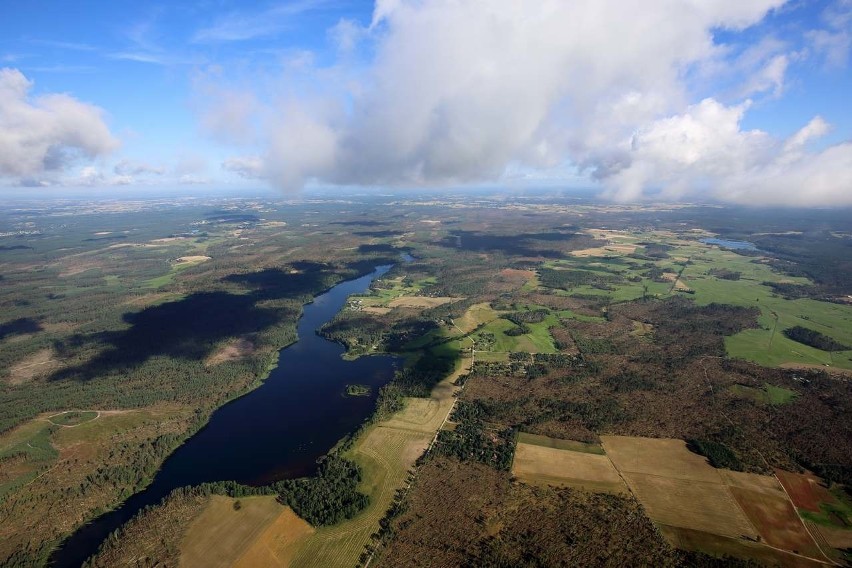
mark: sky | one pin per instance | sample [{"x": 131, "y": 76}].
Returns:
[{"x": 735, "y": 101}]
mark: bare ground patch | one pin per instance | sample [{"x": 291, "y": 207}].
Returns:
[
  {"x": 233, "y": 351},
  {"x": 39, "y": 364}
]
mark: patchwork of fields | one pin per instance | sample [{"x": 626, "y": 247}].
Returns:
[
  {"x": 681, "y": 265},
  {"x": 696, "y": 506}
]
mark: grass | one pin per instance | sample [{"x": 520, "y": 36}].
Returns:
[
  {"x": 837, "y": 514},
  {"x": 389, "y": 289},
  {"x": 537, "y": 340},
  {"x": 24, "y": 452},
  {"x": 73, "y": 417},
  {"x": 768, "y": 394}
]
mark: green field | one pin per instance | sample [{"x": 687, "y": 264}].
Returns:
[
  {"x": 768, "y": 394},
  {"x": 694, "y": 261}
]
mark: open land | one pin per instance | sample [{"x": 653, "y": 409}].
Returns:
[{"x": 590, "y": 341}]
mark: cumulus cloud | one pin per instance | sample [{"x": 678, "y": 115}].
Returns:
[
  {"x": 44, "y": 134},
  {"x": 470, "y": 90},
  {"x": 705, "y": 149}
]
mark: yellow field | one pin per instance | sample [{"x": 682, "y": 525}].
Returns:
[
  {"x": 691, "y": 504},
  {"x": 659, "y": 457},
  {"x": 221, "y": 535},
  {"x": 420, "y": 301},
  {"x": 386, "y": 456},
  {"x": 606, "y": 251},
  {"x": 475, "y": 316},
  {"x": 536, "y": 464},
  {"x": 277, "y": 544}
]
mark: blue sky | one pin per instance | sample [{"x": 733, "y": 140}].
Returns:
[{"x": 739, "y": 101}]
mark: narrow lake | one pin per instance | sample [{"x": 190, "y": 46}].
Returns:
[{"x": 276, "y": 431}]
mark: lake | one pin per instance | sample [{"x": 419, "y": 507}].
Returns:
[
  {"x": 274, "y": 432},
  {"x": 733, "y": 245}
]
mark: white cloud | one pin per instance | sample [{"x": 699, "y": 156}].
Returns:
[
  {"x": 834, "y": 41},
  {"x": 46, "y": 133},
  {"x": 473, "y": 90},
  {"x": 251, "y": 167},
  {"x": 91, "y": 176},
  {"x": 705, "y": 151},
  {"x": 241, "y": 26}
]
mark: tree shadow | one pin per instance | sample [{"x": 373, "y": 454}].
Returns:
[
  {"x": 524, "y": 244},
  {"x": 20, "y": 326},
  {"x": 186, "y": 329},
  {"x": 191, "y": 328}
]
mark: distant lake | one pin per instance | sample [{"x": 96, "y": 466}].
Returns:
[
  {"x": 733, "y": 245},
  {"x": 277, "y": 431}
]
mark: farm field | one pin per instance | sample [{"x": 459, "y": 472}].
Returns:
[
  {"x": 222, "y": 533},
  {"x": 689, "y": 267},
  {"x": 711, "y": 510},
  {"x": 538, "y": 464}
]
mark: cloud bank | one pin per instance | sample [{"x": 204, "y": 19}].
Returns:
[
  {"x": 46, "y": 134},
  {"x": 463, "y": 91}
]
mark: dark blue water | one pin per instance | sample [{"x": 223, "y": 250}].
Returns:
[
  {"x": 733, "y": 245},
  {"x": 276, "y": 431}
]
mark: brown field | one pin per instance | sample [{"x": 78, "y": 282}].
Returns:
[
  {"x": 805, "y": 490},
  {"x": 420, "y": 301},
  {"x": 777, "y": 521},
  {"x": 515, "y": 276},
  {"x": 660, "y": 457},
  {"x": 39, "y": 364},
  {"x": 689, "y": 539},
  {"x": 220, "y": 534},
  {"x": 377, "y": 310},
  {"x": 234, "y": 350},
  {"x": 834, "y": 537},
  {"x": 688, "y": 503},
  {"x": 565, "y": 468},
  {"x": 700, "y": 505},
  {"x": 194, "y": 259}
]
